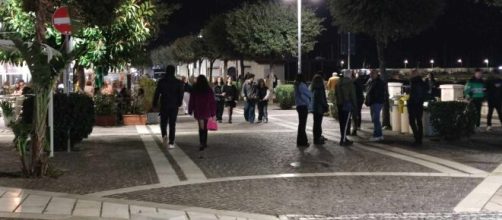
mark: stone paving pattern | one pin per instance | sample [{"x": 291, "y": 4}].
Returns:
[
  {"x": 103, "y": 163},
  {"x": 319, "y": 195}
]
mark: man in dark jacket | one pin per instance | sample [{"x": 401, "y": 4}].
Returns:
[
  {"x": 494, "y": 94},
  {"x": 170, "y": 91},
  {"x": 249, "y": 92},
  {"x": 375, "y": 99},
  {"x": 418, "y": 95},
  {"x": 359, "y": 84}
]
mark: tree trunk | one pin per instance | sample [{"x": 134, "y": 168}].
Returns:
[
  {"x": 200, "y": 66},
  {"x": 188, "y": 71},
  {"x": 211, "y": 64},
  {"x": 81, "y": 77},
  {"x": 386, "y": 107},
  {"x": 243, "y": 71},
  {"x": 270, "y": 82},
  {"x": 39, "y": 159},
  {"x": 225, "y": 68}
]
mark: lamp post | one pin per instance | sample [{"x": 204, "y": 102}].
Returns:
[
  {"x": 299, "y": 7},
  {"x": 342, "y": 63},
  {"x": 487, "y": 62},
  {"x": 405, "y": 63},
  {"x": 459, "y": 61},
  {"x": 432, "y": 63}
]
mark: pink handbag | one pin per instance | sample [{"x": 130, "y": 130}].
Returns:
[{"x": 212, "y": 125}]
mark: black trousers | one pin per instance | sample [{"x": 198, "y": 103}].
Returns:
[
  {"x": 203, "y": 133},
  {"x": 220, "y": 108},
  {"x": 303, "y": 112},
  {"x": 478, "y": 104},
  {"x": 169, "y": 117},
  {"x": 317, "y": 127},
  {"x": 491, "y": 108},
  {"x": 262, "y": 111},
  {"x": 344, "y": 119},
  {"x": 415, "y": 114}
]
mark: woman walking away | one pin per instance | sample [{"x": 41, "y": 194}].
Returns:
[
  {"x": 263, "y": 96},
  {"x": 203, "y": 106},
  {"x": 418, "y": 95},
  {"x": 302, "y": 100},
  {"x": 319, "y": 107},
  {"x": 231, "y": 95},
  {"x": 220, "y": 99},
  {"x": 346, "y": 99}
]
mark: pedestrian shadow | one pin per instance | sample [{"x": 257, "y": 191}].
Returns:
[{"x": 314, "y": 154}]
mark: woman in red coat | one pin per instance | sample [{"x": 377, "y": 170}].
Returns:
[{"x": 203, "y": 106}]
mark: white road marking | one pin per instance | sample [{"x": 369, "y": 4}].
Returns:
[{"x": 481, "y": 195}]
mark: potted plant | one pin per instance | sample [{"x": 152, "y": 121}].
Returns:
[
  {"x": 106, "y": 110},
  {"x": 149, "y": 86},
  {"x": 135, "y": 110},
  {"x": 7, "y": 112}
]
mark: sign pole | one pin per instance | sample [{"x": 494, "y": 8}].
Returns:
[{"x": 51, "y": 122}]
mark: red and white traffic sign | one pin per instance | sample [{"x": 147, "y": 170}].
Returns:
[{"x": 61, "y": 20}]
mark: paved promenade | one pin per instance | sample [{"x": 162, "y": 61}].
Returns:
[{"x": 256, "y": 172}]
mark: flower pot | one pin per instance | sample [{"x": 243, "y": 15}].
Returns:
[
  {"x": 106, "y": 120},
  {"x": 134, "y": 119}
]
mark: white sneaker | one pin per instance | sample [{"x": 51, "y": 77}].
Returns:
[
  {"x": 171, "y": 146},
  {"x": 489, "y": 128},
  {"x": 376, "y": 139}
]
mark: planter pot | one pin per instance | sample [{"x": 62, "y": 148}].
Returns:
[
  {"x": 106, "y": 120},
  {"x": 152, "y": 118},
  {"x": 134, "y": 119}
]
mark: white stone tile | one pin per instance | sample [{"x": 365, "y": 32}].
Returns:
[
  {"x": 172, "y": 214},
  {"x": 201, "y": 216},
  {"x": 2, "y": 191},
  {"x": 227, "y": 218},
  {"x": 14, "y": 194},
  {"x": 33, "y": 204},
  {"x": 114, "y": 210},
  {"x": 60, "y": 206},
  {"x": 493, "y": 207},
  {"x": 9, "y": 204},
  {"x": 141, "y": 209},
  {"x": 87, "y": 208}
]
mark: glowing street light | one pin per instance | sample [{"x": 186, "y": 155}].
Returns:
[
  {"x": 405, "y": 63},
  {"x": 342, "y": 63},
  {"x": 487, "y": 62},
  {"x": 432, "y": 63},
  {"x": 459, "y": 61}
]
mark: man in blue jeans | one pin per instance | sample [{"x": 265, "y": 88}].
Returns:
[
  {"x": 249, "y": 92},
  {"x": 375, "y": 100}
]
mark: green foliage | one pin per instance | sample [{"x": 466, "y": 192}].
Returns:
[
  {"x": 269, "y": 30},
  {"x": 216, "y": 40},
  {"x": 105, "y": 105},
  {"x": 22, "y": 134},
  {"x": 453, "y": 120},
  {"x": 148, "y": 85},
  {"x": 185, "y": 49},
  {"x": 7, "y": 109},
  {"x": 385, "y": 20},
  {"x": 285, "y": 96},
  {"x": 75, "y": 114},
  {"x": 162, "y": 56}
]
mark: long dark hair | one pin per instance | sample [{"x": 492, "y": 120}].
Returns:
[
  {"x": 201, "y": 85},
  {"x": 317, "y": 82},
  {"x": 262, "y": 84},
  {"x": 299, "y": 80}
]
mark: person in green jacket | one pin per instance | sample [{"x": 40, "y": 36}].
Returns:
[
  {"x": 346, "y": 99},
  {"x": 474, "y": 92}
]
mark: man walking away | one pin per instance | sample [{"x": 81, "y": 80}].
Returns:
[
  {"x": 375, "y": 99},
  {"x": 474, "y": 92},
  {"x": 359, "y": 83},
  {"x": 347, "y": 101},
  {"x": 170, "y": 91},
  {"x": 250, "y": 94},
  {"x": 418, "y": 95},
  {"x": 494, "y": 93}
]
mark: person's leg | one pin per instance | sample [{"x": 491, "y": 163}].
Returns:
[
  {"x": 342, "y": 119},
  {"x": 163, "y": 124},
  {"x": 412, "y": 116},
  {"x": 317, "y": 128},
  {"x": 359, "y": 116},
  {"x": 260, "y": 111},
  {"x": 301, "y": 139},
  {"x": 230, "y": 113},
  {"x": 202, "y": 127},
  {"x": 252, "y": 109},
  {"x": 246, "y": 110},
  {"x": 478, "y": 105},
  {"x": 491, "y": 108},
  {"x": 375, "y": 112},
  {"x": 498, "y": 107},
  {"x": 265, "y": 111},
  {"x": 420, "y": 125},
  {"x": 173, "y": 115}
]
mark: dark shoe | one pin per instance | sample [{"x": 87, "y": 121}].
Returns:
[
  {"x": 319, "y": 142},
  {"x": 346, "y": 143},
  {"x": 323, "y": 138},
  {"x": 354, "y": 133},
  {"x": 304, "y": 145}
]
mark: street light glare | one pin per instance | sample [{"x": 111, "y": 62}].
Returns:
[
  {"x": 459, "y": 61},
  {"x": 432, "y": 61},
  {"x": 487, "y": 61}
]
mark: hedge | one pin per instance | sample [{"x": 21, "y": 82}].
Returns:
[
  {"x": 453, "y": 120},
  {"x": 285, "y": 96}
]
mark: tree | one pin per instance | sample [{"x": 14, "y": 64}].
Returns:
[
  {"x": 184, "y": 50},
  {"x": 162, "y": 56},
  {"x": 269, "y": 31},
  {"x": 385, "y": 21}
]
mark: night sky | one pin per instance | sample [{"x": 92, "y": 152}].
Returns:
[{"x": 466, "y": 30}]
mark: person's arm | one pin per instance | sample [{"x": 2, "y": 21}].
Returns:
[
  {"x": 267, "y": 96},
  {"x": 191, "y": 104},
  {"x": 353, "y": 96},
  {"x": 181, "y": 93},
  {"x": 156, "y": 96},
  {"x": 212, "y": 104}
]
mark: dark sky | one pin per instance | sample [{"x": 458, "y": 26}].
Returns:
[{"x": 465, "y": 30}]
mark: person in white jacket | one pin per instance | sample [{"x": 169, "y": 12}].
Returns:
[
  {"x": 263, "y": 97},
  {"x": 186, "y": 94}
]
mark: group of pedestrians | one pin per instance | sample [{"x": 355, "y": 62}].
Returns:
[{"x": 255, "y": 94}]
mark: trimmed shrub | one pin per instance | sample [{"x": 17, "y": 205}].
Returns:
[
  {"x": 285, "y": 96},
  {"x": 453, "y": 120},
  {"x": 106, "y": 105}
]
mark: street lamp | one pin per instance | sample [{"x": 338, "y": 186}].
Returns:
[
  {"x": 405, "y": 63},
  {"x": 459, "y": 61},
  {"x": 342, "y": 63},
  {"x": 487, "y": 62},
  {"x": 299, "y": 6},
  {"x": 432, "y": 64}
]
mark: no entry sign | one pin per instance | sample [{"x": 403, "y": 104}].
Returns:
[{"x": 61, "y": 20}]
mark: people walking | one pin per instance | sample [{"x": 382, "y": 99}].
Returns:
[
  {"x": 220, "y": 98},
  {"x": 263, "y": 96},
  {"x": 418, "y": 95},
  {"x": 332, "y": 81},
  {"x": 303, "y": 98},
  {"x": 319, "y": 106},
  {"x": 359, "y": 83},
  {"x": 494, "y": 96},
  {"x": 346, "y": 100},
  {"x": 474, "y": 92},
  {"x": 170, "y": 91},
  {"x": 202, "y": 106},
  {"x": 375, "y": 99},
  {"x": 231, "y": 95},
  {"x": 433, "y": 90},
  {"x": 249, "y": 92}
]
